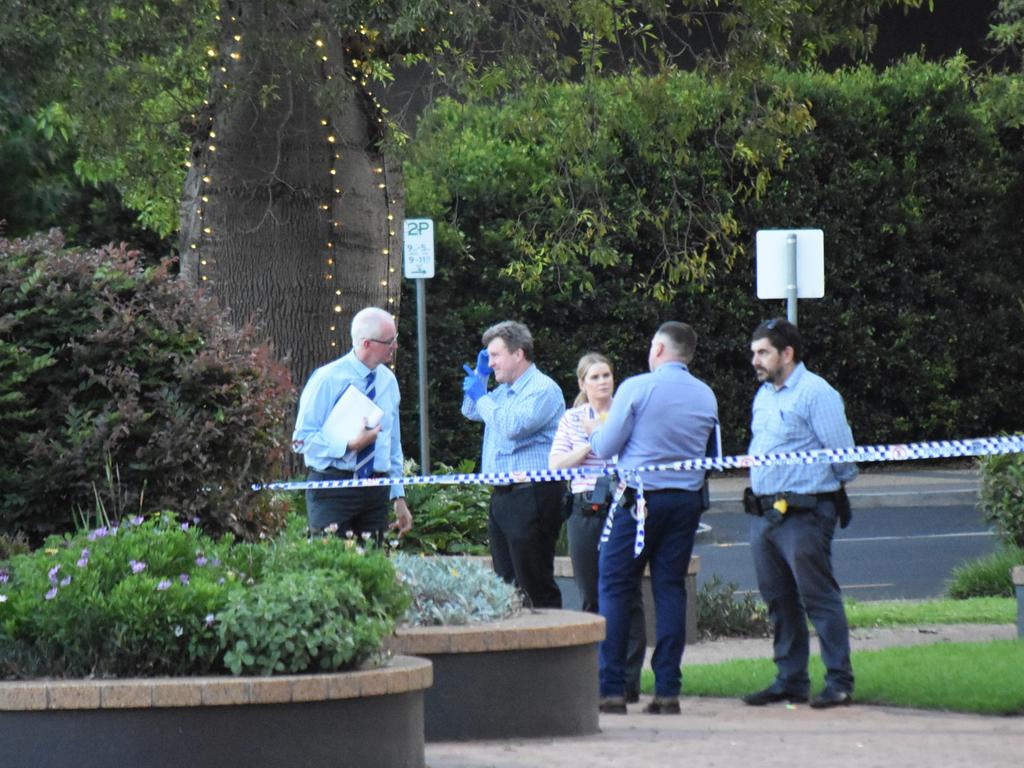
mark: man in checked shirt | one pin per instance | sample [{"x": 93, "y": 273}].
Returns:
[
  {"x": 795, "y": 509},
  {"x": 520, "y": 417}
]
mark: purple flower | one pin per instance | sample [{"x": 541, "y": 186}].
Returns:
[
  {"x": 210, "y": 618},
  {"x": 99, "y": 533},
  {"x": 4, "y": 576},
  {"x": 137, "y": 566},
  {"x": 53, "y": 573},
  {"x": 184, "y": 526},
  {"x": 201, "y": 561},
  {"x": 51, "y": 594},
  {"x": 183, "y": 579},
  {"x": 65, "y": 581},
  {"x": 164, "y": 584},
  {"x": 137, "y": 520}
]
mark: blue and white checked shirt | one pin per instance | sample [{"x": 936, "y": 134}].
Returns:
[
  {"x": 520, "y": 420},
  {"x": 658, "y": 418},
  {"x": 325, "y": 386},
  {"x": 805, "y": 414}
]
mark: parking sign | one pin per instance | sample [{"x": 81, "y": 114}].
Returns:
[{"x": 419, "y": 248}]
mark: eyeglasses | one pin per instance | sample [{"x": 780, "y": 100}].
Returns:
[{"x": 387, "y": 342}]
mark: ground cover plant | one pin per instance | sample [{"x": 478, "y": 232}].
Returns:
[{"x": 159, "y": 597}]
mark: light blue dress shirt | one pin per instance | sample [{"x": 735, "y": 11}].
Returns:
[
  {"x": 659, "y": 418},
  {"x": 520, "y": 420},
  {"x": 322, "y": 391},
  {"x": 805, "y": 414}
]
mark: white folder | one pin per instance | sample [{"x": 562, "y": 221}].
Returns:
[{"x": 346, "y": 419}]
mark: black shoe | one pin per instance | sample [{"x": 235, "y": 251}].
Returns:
[
  {"x": 832, "y": 698},
  {"x": 660, "y": 706},
  {"x": 632, "y": 697},
  {"x": 612, "y": 705},
  {"x": 770, "y": 695}
]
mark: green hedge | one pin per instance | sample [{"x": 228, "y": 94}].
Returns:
[{"x": 569, "y": 209}]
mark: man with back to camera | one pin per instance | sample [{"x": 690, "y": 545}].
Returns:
[
  {"x": 795, "y": 509},
  {"x": 373, "y": 452},
  {"x": 520, "y": 417},
  {"x": 656, "y": 418}
]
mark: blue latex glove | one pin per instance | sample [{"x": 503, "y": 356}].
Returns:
[
  {"x": 483, "y": 363},
  {"x": 473, "y": 385}
]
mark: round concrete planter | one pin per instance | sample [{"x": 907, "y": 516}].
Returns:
[
  {"x": 533, "y": 675},
  {"x": 372, "y": 717}
]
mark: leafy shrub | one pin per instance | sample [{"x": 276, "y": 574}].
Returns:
[
  {"x": 448, "y": 519},
  {"x": 103, "y": 362},
  {"x": 1001, "y": 495},
  {"x": 160, "y": 598},
  {"x": 721, "y": 614},
  {"x": 450, "y": 590},
  {"x": 987, "y": 576}
]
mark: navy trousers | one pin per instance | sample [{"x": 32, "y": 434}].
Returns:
[
  {"x": 669, "y": 532},
  {"x": 793, "y": 560},
  {"x": 584, "y": 533}
]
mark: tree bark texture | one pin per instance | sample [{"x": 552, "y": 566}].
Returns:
[{"x": 291, "y": 214}]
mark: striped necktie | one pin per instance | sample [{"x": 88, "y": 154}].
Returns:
[{"x": 364, "y": 459}]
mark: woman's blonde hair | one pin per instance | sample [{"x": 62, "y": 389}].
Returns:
[{"x": 587, "y": 362}]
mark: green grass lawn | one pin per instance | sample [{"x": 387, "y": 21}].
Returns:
[{"x": 983, "y": 678}]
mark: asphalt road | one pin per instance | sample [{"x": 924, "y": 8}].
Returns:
[{"x": 905, "y": 552}]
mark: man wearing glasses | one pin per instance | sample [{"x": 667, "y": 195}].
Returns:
[
  {"x": 374, "y": 451},
  {"x": 795, "y": 509}
]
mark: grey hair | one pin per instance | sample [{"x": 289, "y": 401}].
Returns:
[
  {"x": 367, "y": 323},
  {"x": 515, "y": 335}
]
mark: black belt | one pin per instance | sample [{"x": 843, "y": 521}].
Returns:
[
  {"x": 629, "y": 495},
  {"x": 346, "y": 474},
  {"x": 795, "y": 500}
]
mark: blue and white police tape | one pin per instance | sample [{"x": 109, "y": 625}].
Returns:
[{"x": 940, "y": 449}]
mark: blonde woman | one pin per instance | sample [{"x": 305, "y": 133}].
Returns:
[{"x": 591, "y": 497}]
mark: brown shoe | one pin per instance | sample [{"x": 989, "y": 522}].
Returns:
[
  {"x": 612, "y": 705},
  {"x": 662, "y": 706}
]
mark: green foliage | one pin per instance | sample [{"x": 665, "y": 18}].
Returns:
[
  {"x": 720, "y": 613},
  {"x": 157, "y": 597},
  {"x": 448, "y": 519},
  {"x": 454, "y": 590},
  {"x": 568, "y": 207},
  {"x": 1001, "y": 496},
  {"x": 988, "y": 576},
  {"x": 108, "y": 367}
]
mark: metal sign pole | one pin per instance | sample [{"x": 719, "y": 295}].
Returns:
[
  {"x": 791, "y": 278},
  {"x": 421, "y": 343}
]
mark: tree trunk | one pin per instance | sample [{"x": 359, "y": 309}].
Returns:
[{"x": 291, "y": 215}]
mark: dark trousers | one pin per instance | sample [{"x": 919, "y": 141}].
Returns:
[
  {"x": 523, "y": 526},
  {"x": 670, "y": 530},
  {"x": 584, "y": 533},
  {"x": 793, "y": 560},
  {"x": 359, "y": 510}
]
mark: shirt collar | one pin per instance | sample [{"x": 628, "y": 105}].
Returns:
[
  {"x": 518, "y": 384},
  {"x": 671, "y": 364},
  {"x": 359, "y": 366},
  {"x": 792, "y": 380}
]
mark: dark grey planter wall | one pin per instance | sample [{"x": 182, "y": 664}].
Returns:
[
  {"x": 511, "y": 694},
  {"x": 571, "y": 600},
  {"x": 374, "y": 731}
]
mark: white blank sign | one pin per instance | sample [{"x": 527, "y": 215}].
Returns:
[{"x": 771, "y": 263}]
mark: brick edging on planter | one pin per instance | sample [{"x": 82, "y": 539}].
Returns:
[
  {"x": 547, "y": 628},
  {"x": 402, "y": 674}
]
